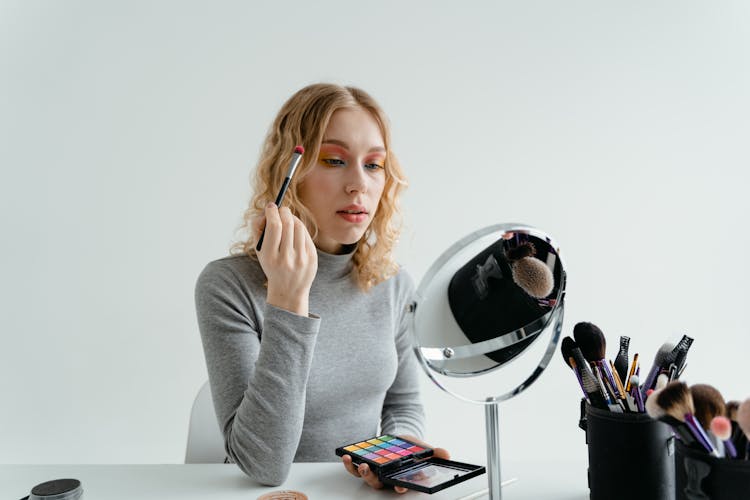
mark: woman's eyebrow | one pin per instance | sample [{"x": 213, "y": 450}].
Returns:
[{"x": 375, "y": 149}]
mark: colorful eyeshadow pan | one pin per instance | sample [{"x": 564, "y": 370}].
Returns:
[{"x": 383, "y": 449}]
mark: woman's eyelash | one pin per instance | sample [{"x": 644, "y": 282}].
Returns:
[{"x": 337, "y": 162}]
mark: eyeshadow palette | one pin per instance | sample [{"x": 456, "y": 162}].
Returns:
[
  {"x": 399, "y": 462},
  {"x": 383, "y": 450}
]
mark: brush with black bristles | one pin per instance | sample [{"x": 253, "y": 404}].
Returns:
[
  {"x": 593, "y": 345},
  {"x": 566, "y": 347},
  {"x": 676, "y": 401}
]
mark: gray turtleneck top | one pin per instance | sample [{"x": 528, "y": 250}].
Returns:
[{"x": 292, "y": 388}]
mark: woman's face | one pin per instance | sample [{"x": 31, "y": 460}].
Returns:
[{"x": 342, "y": 190}]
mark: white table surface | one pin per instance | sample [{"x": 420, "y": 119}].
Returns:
[{"x": 538, "y": 480}]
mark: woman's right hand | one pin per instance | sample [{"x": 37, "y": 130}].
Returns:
[{"x": 288, "y": 258}]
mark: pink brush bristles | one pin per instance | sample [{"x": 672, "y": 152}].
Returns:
[
  {"x": 299, "y": 149},
  {"x": 721, "y": 427}
]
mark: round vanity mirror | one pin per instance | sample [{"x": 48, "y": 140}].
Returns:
[{"x": 495, "y": 299}]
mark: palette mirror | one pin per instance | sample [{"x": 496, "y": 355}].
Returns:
[{"x": 494, "y": 299}]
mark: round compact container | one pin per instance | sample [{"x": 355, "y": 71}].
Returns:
[{"x": 57, "y": 489}]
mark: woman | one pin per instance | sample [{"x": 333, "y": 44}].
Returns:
[{"x": 306, "y": 340}]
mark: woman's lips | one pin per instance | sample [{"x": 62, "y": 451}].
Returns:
[{"x": 353, "y": 217}]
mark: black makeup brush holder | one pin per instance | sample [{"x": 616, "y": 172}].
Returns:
[
  {"x": 701, "y": 476},
  {"x": 631, "y": 455}
]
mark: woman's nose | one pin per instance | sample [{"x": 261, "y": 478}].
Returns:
[{"x": 356, "y": 180}]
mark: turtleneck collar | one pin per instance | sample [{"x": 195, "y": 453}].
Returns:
[{"x": 333, "y": 267}]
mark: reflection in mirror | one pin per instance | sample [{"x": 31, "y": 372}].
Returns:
[{"x": 498, "y": 302}]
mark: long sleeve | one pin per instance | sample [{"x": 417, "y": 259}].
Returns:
[
  {"x": 258, "y": 373},
  {"x": 402, "y": 408}
]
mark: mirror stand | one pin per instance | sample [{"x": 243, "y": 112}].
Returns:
[
  {"x": 492, "y": 423},
  {"x": 492, "y": 411},
  {"x": 480, "y": 305}
]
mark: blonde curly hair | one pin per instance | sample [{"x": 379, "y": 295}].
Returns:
[{"x": 303, "y": 120}]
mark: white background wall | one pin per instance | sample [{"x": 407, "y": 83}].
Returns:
[{"x": 129, "y": 131}]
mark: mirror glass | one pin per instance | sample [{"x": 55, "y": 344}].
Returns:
[{"x": 487, "y": 299}]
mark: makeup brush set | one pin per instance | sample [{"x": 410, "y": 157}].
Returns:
[
  {"x": 617, "y": 386},
  {"x": 713, "y": 455},
  {"x": 675, "y": 438}
]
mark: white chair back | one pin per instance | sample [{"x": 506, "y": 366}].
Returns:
[{"x": 205, "y": 443}]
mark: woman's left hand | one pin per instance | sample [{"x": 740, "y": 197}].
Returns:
[{"x": 363, "y": 470}]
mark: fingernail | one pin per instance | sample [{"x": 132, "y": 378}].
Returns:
[{"x": 270, "y": 204}]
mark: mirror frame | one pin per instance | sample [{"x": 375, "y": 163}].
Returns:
[{"x": 553, "y": 318}]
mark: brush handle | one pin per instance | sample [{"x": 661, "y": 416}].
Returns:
[
  {"x": 580, "y": 382},
  {"x": 632, "y": 372},
  {"x": 729, "y": 446},
  {"x": 700, "y": 434},
  {"x": 604, "y": 367},
  {"x": 590, "y": 385},
  {"x": 621, "y": 361},
  {"x": 279, "y": 199},
  {"x": 681, "y": 429}
]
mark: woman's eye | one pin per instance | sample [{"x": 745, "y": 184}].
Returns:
[
  {"x": 373, "y": 166},
  {"x": 334, "y": 162}
]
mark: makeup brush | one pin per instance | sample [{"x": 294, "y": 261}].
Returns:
[
  {"x": 738, "y": 437},
  {"x": 621, "y": 360},
  {"x": 683, "y": 345},
  {"x": 593, "y": 345},
  {"x": 591, "y": 387},
  {"x": 298, "y": 150},
  {"x": 663, "y": 356},
  {"x": 743, "y": 419},
  {"x": 633, "y": 368},
  {"x": 721, "y": 427},
  {"x": 675, "y": 399},
  {"x": 708, "y": 403},
  {"x": 566, "y": 346},
  {"x": 731, "y": 409},
  {"x": 656, "y": 412},
  {"x": 635, "y": 389}
]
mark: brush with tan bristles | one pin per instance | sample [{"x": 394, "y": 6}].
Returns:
[
  {"x": 676, "y": 401},
  {"x": 679, "y": 427}
]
